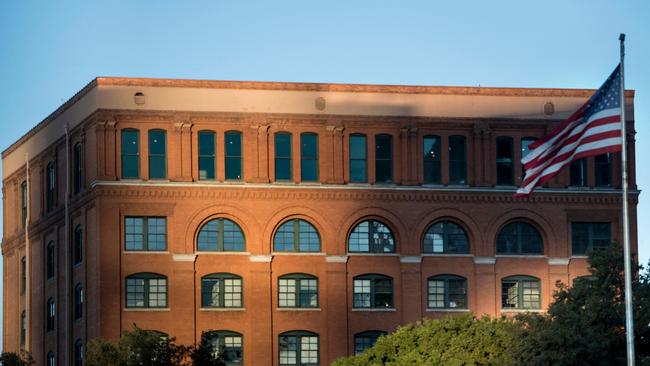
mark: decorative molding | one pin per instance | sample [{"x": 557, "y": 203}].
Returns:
[
  {"x": 485, "y": 260},
  {"x": 262, "y": 258},
  {"x": 184, "y": 257},
  {"x": 410, "y": 259},
  {"x": 558, "y": 261},
  {"x": 336, "y": 259}
]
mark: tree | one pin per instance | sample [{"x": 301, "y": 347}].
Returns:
[{"x": 13, "y": 359}]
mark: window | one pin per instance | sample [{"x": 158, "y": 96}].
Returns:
[
  {"x": 603, "y": 170},
  {"x": 587, "y": 236},
  {"x": 309, "y": 157},
  {"x": 520, "y": 292},
  {"x": 457, "y": 160},
  {"x": 145, "y": 233},
  {"x": 298, "y": 291},
  {"x": 78, "y": 353},
  {"x": 296, "y": 236},
  {"x": 282, "y": 156},
  {"x": 78, "y": 301},
  {"x": 578, "y": 173},
  {"x": 157, "y": 155},
  {"x": 505, "y": 161},
  {"x": 51, "y": 359},
  {"x": 221, "y": 235},
  {"x": 130, "y": 154},
  {"x": 365, "y": 340},
  {"x": 233, "y": 155},
  {"x": 298, "y": 348},
  {"x": 447, "y": 292},
  {"x": 431, "y": 149},
  {"x": 358, "y": 159},
  {"x": 525, "y": 149},
  {"x": 227, "y": 344},
  {"x": 50, "y": 260},
  {"x": 371, "y": 236},
  {"x": 384, "y": 158},
  {"x": 206, "y": 155},
  {"x": 23, "y": 329},
  {"x": 373, "y": 292},
  {"x": 50, "y": 191},
  {"x": 23, "y": 275},
  {"x": 23, "y": 205},
  {"x": 446, "y": 237},
  {"x": 50, "y": 312},
  {"x": 221, "y": 290},
  {"x": 519, "y": 238},
  {"x": 76, "y": 168},
  {"x": 78, "y": 245},
  {"x": 146, "y": 290}
]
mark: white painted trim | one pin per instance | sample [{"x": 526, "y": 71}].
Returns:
[
  {"x": 376, "y": 310},
  {"x": 222, "y": 309},
  {"x": 374, "y": 254},
  {"x": 184, "y": 257},
  {"x": 559, "y": 261},
  {"x": 205, "y": 252},
  {"x": 410, "y": 259},
  {"x": 336, "y": 259},
  {"x": 485, "y": 260},
  {"x": 298, "y": 253},
  {"x": 518, "y": 311},
  {"x": 147, "y": 309},
  {"x": 144, "y": 252},
  {"x": 297, "y": 309},
  {"x": 445, "y": 310},
  {"x": 261, "y": 258}
]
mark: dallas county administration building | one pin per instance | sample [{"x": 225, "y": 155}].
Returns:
[{"x": 289, "y": 223}]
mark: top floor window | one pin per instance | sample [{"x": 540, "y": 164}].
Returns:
[
  {"x": 220, "y": 235},
  {"x": 384, "y": 158},
  {"x": 78, "y": 245},
  {"x": 50, "y": 189},
  {"x": 358, "y": 159},
  {"x": 206, "y": 155},
  {"x": 145, "y": 233},
  {"x": 371, "y": 236},
  {"x": 157, "y": 155},
  {"x": 587, "y": 236},
  {"x": 519, "y": 238},
  {"x": 282, "y": 156},
  {"x": 296, "y": 236},
  {"x": 446, "y": 237},
  {"x": 431, "y": 149},
  {"x": 23, "y": 205},
  {"x": 578, "y": 173},
  {"x": 309, "y": 157},
  {"x": 23, "y": 275},
  {"x": 50, "y": 260},
  {"x": 603, "y": 170},
  {"x": 457, "y": 160},
  {"x": 76, "y": 168},
  {"x": 130, "y": 154},
  {"x": 505, "y": 161},
  {"x": 525, "y": 150},
  {"x": 233, "y": 155}
]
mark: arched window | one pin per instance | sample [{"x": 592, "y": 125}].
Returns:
[
  {"x": 50, "y": 188},
  {"x": 130, "y": 154},
  {"x": 50, "y": 311},
  {"x": 157, "y": 154},
  {"x": 233, "y": 155},
  {"x": 78, "y": 353},
  {"x": 519, "y": 238},
  {"x": 221, "y": 235},
  {"x": 23, "y": 329},
  {"x": 520, "y": 292},
  {"x": 76, "y": 168},
  {"x": 298, "y": 348},
  {"x": 221, "y": 290},
  {"x": 146, "y": 290},
  {"x": 372, "y": 291},
  {"x": 78, "y": 245},
  {"x": 50, "y": 260},
  {"x": 447, "y": 292},
  {"x": 297, "y": 291},
  {"x": 446, "y": 237},
  {"x": 207, "y": 148},
  {"x": 78, "y": 301},
  {"x": 457, "y": 160},
  {"x": 365, "y": 340},
  {"x": 51, "y": 359},
  {"x": 371, "y": 236},
  {"x": 296, "y": 236},
  {"x": 308, "y": 157},
  {"x": 283, "y": 156},
  {"x": 384, "y": 158},
  {"x": 23, "y": 206},
  {"x": 431, "y": 159},
  {"x": 226, "y": 344},
  {"x": 358, "y": 158}
]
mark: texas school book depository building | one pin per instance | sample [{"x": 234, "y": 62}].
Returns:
[{"x": 289, "y": 223}]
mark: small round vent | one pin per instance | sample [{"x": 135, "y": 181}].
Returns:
[{"x": 138, "y": 98}]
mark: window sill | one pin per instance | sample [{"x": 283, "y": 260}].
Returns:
[
  {"x": 529, "y": 256},
  {"x": 374, "y": 310},
  {"x": 355, "y": 254},
  {"x": 222, "y": 309},
  {"x": 519, "y": 311},
  {"x": 147, "y": 309},
  {"x": 447, "y": 255},
  {"x": 298, "y": 253},
  {"x": 144, "y": 252},
  {"x": 297, "y": 309},
  {"x": 221, "y": 253},
  {"x": 580, "y": 256},
  {"x": 446, "y": 310}
]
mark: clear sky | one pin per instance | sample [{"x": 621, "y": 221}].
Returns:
[{"x": 51, "y": 49}]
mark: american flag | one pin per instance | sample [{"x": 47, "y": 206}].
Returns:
[{"x": 594, "y": 129}]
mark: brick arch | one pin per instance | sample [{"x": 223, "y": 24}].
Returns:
[
  {"x": 449, "y": 214},
  {"x": 396, "y": 226},
  {"x": 241, "y": 217},
  {"x": 539, "y": 222},
  {"x": 280, "y": 216}
]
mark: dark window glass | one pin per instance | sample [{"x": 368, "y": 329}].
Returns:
[
  {"x": 603, "y": 170},
  {"x": 525, "y": 149},
  {"x": 50, "y": 311},
  {"x": 78, "y": 353},
  {"x": 298, "y": 348},
  {"x": 206, "y": 155},
  {"x": 23, "y": 329},
  {"x": 296, "y": 236},
  {"x": 447, "y": 292},
  {"x": 145, "y": 233},
  {"x": 578, "y": 172},
  {"x": 519, "y": 238},
  {"x": 78, "y": 245},
  {"x": 146, "y": 290},
  {"x": 431, "y": 149},
  {"x": 358, "y": 159},
  {"x": 50, "y": 192},
  {"x": 309, "y": 157},
  {"x": 157, "y": 155},
  {"x": 457, "y": 160},
  {"x": 23, "y": 197},
  {"x": 384, "y": 159},
  {"x": 520, "y": 292},
  {"x": 587, "y": 236},
  {"x": 233, "y": 155},
  {"x": 505, "y": 161},
  {"x": 130, "y": 154},
  {"x": 51, "y": 359},
  {"x": 365, "y": 340},
  {"x": 78, "y": 301},
  {"x": 221, "y": 235},
  {"x": 298, "y": 291},
  {"x": 372, "y": 291},
  {"x": 76, "y": 168},
  {"x": 282, "y": 156},
  {"x": 446, "y": 237},
  {"x": 50, "y": 258},
  {"x": 221, "y": 290},
  {"x": 228, "y": 346},
  {"x": 23, "y": 275},
  {"x": 371, "y": 236}
]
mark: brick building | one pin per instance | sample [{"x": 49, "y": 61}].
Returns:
[{"x": 289, "y": 223}]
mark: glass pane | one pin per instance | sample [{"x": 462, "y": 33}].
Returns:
[
  {"x": 457, "y": 293},
  {"x": 361, "y": 293},
  {"x": 288, "y": 349},
  {"x": 130, "y": 143},
  {"x": 309, "y": 350},
  {"x": 156, "y": 142},
  {"x": 210, "y": 296},
  {"x": 130, "y": 166},
  {"x": 359, "y": 240},
  {"x": 282, "y": 169},
  {"x": 157, "y": 167},
  {"x": 287, "y": 293},
  {"x": 283, "y": 156},
  {"x": 384, "y": 158},
  {"x": 206, "y": 143},
  {"x": 510, "y": 295},
  {"x": 358, "y": 171},
  {"x": 156, "y": 233},
  {"x": 308, "y": 239},
  {"x": 436, "y": 294},
  {"x": 284, "y": 238},
  {"x": 358, "y": 154},
  {"x": 232, "y": 292},
  {"x": 431, "y": 149},
  {"x": 134, "y": 233},
  {"x": 578, "y": 173},
  {"x": 505, "y": 161},
  {"x": 233, "y": 238},
  {"x": 206, "y": 168},
  {"x": 233, "y": 155},
  {"x": 233, "y": 168},
  {"x": 382, "y": 238},
  {"x": 207, "y": 239},
  {"x": 457, "y": 160},
  {"x": 603, "y": 170},
  {"x": 309, "y": 170},
  {"x": 579, "y": 237},
  {"x": 358, "y": 147}
]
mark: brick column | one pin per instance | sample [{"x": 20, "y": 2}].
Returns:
[
  {"x": 336, "y": 304},
  {"x": 558, "y": 270},
  {"x": 486, "y": 287},
  {"x": 260, "y": 322},
  {"x": 260, "y": 171},
  {"x": 180, "y": 169},
  {"x": 107, "y": 153},
  {"x": 483, "y": 167},
  {"x": 182, "y": 299},
  {"x": 334, "y": 168},
  {"x": 411, "y": 289}
]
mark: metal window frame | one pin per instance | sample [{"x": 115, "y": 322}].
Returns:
[
  {"x": 519, "y": 281},
  {"x": 220, "y": 277},
  {"x": 296, "y": 237},
  {"x": 373, "y": 291},
  {"x": 150, "y": 136},
  {"x": 221, "y": 236},
  {"x": 298, "y": 335},
  {"x": 364, "y": 159},
  {"x": 146, "y": 288},
  {"x": 304, "y": 158},
  {"x": 372, "y": 248},
  {"x": 212, "y": 156},
  {"x": 145, "y": 234},
  {"x": 446, "y": 293},
  {"x": 123, "y": 154},
  {"x": 390, "y": 159},
  {"x": 432, "y": 164},
  {"x": 238, "y": 156},
  {"x": 299, "y": 277},
  {"x": 277, "y": 157}
]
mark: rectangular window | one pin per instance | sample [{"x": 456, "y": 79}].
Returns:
[
  {"x": 297, "y": 293},
  {"x": 130, "y": 154},
  {"x": 50, "y": 193},
  {"x": 23, "y": 275},
  {"x": 603, "y": 170},
  {"x": 50, "y": 258},
  {"x": 309, "y": 157},
  {"x": 157, "y": 155},
  {"x": 145, "y": 233},
  {"x": 587, "y": 236},
  {"x": 206, "y": 155},
  {"x": 578, "y": 173},
  {"x": 525, "y": 149},
  {"x": 457, "y": 160},
  {"x": 23, "y": 205},
  {"x": 233, "y": 155},
  {"x": 431, "y": 150},
  {"x": 384, "y": 159},
  {"x": 76, "y": 169},
  {"x": 145, "y": 292},
  {"x": 505, "y": 161},
  {"x": 358, "y": 159},
  {"x": 282, "y": 156},
  {"x": 221, "y": 292}
]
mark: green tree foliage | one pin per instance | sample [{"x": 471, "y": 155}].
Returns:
[
  {"x": 462, "y": 340},
  {"x": 13, "y": 359}
]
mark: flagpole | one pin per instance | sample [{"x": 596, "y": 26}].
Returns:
[{"x": 629, "y": 320}]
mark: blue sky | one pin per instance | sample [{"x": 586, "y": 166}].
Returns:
[{"x": 50, "y": 50}]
